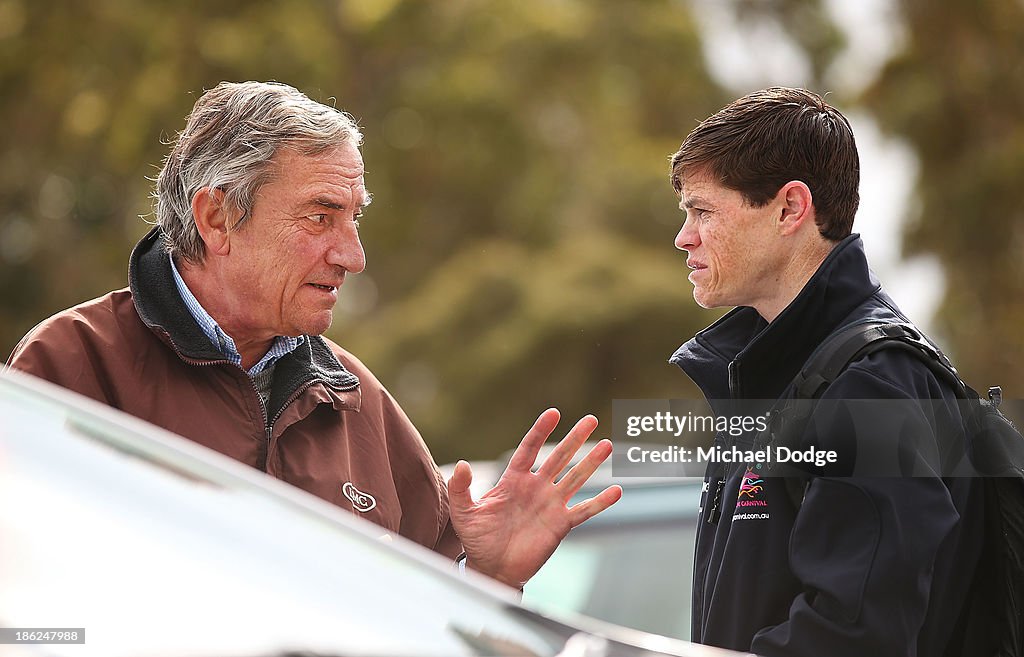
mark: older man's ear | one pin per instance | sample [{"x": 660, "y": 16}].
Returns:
[{"x": 213, "y": 220}]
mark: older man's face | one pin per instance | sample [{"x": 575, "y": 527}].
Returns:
[{"x": 289, "y": 259}]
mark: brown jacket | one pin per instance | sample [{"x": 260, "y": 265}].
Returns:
[{"x": 333, "y": 429}]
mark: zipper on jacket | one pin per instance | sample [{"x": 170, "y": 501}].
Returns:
[
  {"x": 716, "y": 503},
  {"x": 267, "y": 424},
  {"x": 265, "y": 455},
  {"x": 734, "y": 392},
  {"x": 734, "y": 376},
  {"x": 271, "y": 421},
  {"x": 268, "y": 427}
]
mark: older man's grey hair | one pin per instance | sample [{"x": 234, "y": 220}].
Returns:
[{"x": 229, "y": 140}]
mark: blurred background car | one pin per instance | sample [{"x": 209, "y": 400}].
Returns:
[
  {"x": 631, "y": 565},
  {"x": 154, "y": 545}
]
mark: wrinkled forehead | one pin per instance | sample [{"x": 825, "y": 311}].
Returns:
[
  {"x": 339, "y": 168},
  {"x": 699, "y": 187}
]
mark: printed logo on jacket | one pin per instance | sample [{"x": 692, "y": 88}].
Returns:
[
  {"x": 361, "y": 502},
  {"x": 751, "y": 502}
]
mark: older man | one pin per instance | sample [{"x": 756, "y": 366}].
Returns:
[
  {"x": 218, "y": 338},
  {"x": 861, "y": 565}
]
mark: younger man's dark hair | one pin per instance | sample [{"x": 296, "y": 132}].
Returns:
[{"x": 758, "y": 143}]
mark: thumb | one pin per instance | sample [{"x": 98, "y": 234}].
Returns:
[{"x": 458, "y": 487}]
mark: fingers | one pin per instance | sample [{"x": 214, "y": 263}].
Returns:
[
  {"x": 459, "y": 496},
  {"x": 581, "y": 472},
  {"x": 526, "y": 454},
  {"x": 563, "y": 453},
  {"x": 586, "y": 510}
]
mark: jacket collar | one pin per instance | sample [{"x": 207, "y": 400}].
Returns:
[
  {"x": 762, "y": 358},
  {"x": 161, "y": 308}
]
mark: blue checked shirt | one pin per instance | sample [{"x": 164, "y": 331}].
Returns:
[{"x": 283, "y": 344}]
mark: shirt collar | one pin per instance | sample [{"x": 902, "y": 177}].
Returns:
[{"x": 282, "y": 345}]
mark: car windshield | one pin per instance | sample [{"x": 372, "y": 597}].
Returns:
[{"x": 156, "y": 546}]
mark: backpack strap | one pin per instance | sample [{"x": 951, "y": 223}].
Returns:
[
  {"x": 834, "y": 355},
  {"x": 992, "y": 622}
]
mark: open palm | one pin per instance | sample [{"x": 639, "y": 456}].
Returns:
[{"x": 513, "y": 528}]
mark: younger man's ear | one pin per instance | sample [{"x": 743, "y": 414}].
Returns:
[
  {"x": 212, "y": 219},
  {"x": 796, "y": 206}
]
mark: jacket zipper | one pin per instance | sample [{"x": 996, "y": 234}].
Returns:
[
  {"x": 268, "y": 426},
  {"x": 734, "y": 376},
  {"x": 715, "y": 512},
  {"x": 270, "y": 423}
]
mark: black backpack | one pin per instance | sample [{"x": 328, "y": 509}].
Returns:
[{"x": 994, "y": 615}]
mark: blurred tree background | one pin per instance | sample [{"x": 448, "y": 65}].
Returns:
[
  {"x": 956, "y": 93},
  {"x": 520, "y": 241}
]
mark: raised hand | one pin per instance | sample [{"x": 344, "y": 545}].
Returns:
[{"x": 513, "y": 528}]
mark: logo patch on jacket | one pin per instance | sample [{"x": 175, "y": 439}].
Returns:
[
  {"x": 361, "y": 502},
  {"x": 751, "y": 498}
]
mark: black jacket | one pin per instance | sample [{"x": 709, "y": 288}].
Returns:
[{"x": 865, "y": 566}]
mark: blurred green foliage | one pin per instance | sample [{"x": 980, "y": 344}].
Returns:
[
  {"x": 520, "y": 240},
  {"x": 956, "y": 93}
]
